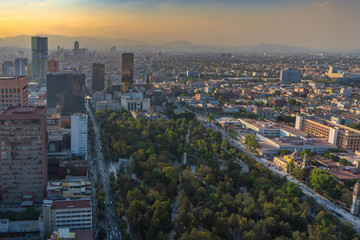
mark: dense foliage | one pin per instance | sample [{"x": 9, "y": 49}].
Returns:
[{"x": 218, "y": 199}]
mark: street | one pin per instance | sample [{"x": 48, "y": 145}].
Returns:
[{"x": 101, "y": 169}]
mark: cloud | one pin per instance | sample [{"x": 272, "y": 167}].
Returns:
[{"x": 322, "y": 5}]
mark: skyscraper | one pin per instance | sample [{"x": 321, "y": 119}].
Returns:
[
  {"x": 13, "y": 92},
  {"x": 66, "y": 89},
  {"x": 79, "y": 123},
  {"x": 127, "y": 71},
  {"x": 98, "y": 77},
  {"x": 21, "y": 67},
  {"x": 7, "y": 68},
  {"x": 39, "y": 54},
  {"x": 23, "y": 156},
  {"x": 76, "y": 51},
  {"x": 290, "y": 76}
]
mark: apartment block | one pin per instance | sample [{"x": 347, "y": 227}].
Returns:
[
  {"x": 343, "y": 137},
  {"x": 13, "y": 92},
  {"x": 23, "y": 154}
]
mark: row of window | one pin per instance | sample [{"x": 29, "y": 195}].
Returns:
[
  {"x": 10, "y": 90},
  {"x": 11, "y": 96}
]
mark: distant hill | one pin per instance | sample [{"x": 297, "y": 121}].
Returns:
[{"x": 99, "y": 43}]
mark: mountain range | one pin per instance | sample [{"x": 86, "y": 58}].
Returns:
[{"x": 100, "y": 43}]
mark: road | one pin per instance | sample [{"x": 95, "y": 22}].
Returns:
[
  {"x": 111, "y": 222},
  {"x": 336, "y": 210}
]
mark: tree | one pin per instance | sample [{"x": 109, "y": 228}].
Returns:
[
  {"x": 251, "y": 142},
  {"x": 102, "y": 233},
  {"x": 292, "y": 190},
  {"x": 211, "y": 117},
  {"x": 322, "y": 180}
]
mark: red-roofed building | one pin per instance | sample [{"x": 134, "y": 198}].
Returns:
[{"x": 73, "y": 214}]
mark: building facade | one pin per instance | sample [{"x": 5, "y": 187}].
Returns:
[
  {"x": 66, "y": 90},
  {"x": 53, "y": 66},
  {"x": 73, "y": 214},
  {"x": 355, "y": 207},
  {"x": 21, "y": 67},
  {"x": 127, "y": 78},
  {"x": 98, "y": 77},
  {"x": 343, "y": 137},
  {"x": 39, "y": 61},
  {"x": 8, "y": 68},
  {"x": 13, "y": 92},
  {"x": 290, "y": 76},
  {"x": 79, "y": 130},
  {"x": 135, "y": 101},
  {"x": 23, "y": 154}
]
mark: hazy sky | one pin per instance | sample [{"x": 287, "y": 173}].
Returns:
[{"x": 332, "y": 24}]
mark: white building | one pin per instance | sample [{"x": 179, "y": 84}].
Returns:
[
  {"x": 135, "y": 101},
  {"x": 79, "y": 130},
  {"x": 73, "y": 214}
]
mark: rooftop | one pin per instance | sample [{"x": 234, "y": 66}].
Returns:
[
  {"x": 12, "y": 78},
  {"x": 22, "y": 110},
  {"x": 71, "y": 204}
]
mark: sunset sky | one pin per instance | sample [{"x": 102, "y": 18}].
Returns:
[{"x": 330, "y": 24}]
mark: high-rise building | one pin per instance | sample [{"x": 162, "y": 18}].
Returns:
[
  {"x": 98, "y": 77},
  {"x": 127, "y": 78},
  {"x": 39, "y": 54},
  {"x": 23, "y": 155},
  {"x": 76, "y": 51},
  {"x": 355, "y": 207},
  {"x": 21, "y": 67},
  {"x": 79, "y": 123},
  {"x": 8, "y": 68},
  {"x": 53, "y": 66},
  {"x": 290, "y": 76},
  {"x": 66, "y": 89},
  {"x": 13, "y": 92}
]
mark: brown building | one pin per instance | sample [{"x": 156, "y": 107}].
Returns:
[
  {"x": 53, "y": 65},
  {"x": 98, "y": 77},
  {"x": 127, "y": 77},
  {"x": 13, "y": 92},
  {"x": 281, "y": 163},
  {"x": 23, "y": 154}
]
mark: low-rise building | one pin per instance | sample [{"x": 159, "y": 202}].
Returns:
[
  {"x": 135, "y": 101},
  {"x": 72, "y": 214},
  {"x": 105, "y": 105},
  {"x": 69, "y": 188}
]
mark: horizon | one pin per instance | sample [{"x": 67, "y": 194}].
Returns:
[{"x": 309, "y": 24}]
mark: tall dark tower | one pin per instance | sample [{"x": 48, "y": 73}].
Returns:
[
  {"x": 98, "y": 77},
  {"x": 76, "y": 51},
  {"x": 39, "y": 55},
  {"x": 66, "y": 89},
  {"x": 127, "y": 71}
]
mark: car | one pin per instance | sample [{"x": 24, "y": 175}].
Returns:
[{"x": 110, "y": 203}]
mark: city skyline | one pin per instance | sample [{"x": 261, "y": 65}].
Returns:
[{"x": 315, "y": 24}]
